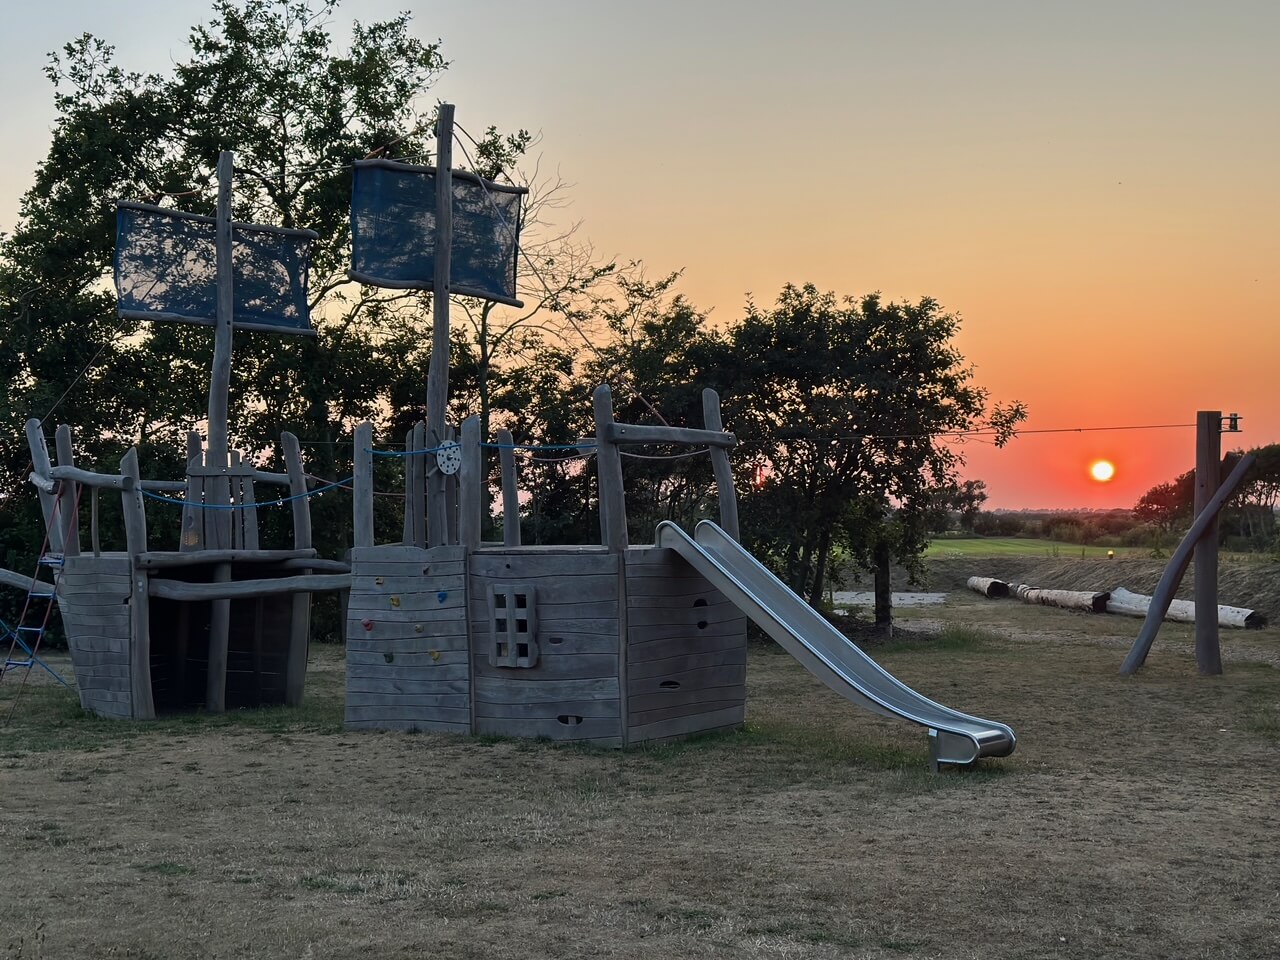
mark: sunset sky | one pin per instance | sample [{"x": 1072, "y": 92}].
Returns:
[{"x": 1093, "y": 186}]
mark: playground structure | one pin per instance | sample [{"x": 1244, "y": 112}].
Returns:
[{"x": 610, "y": 643}]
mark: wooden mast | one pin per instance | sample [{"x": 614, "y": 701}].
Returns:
[
  {"x": 438, "y": 372},
  {"x": 218, "y": 490}
]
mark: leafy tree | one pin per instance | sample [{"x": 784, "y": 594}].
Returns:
[{"x": 845, "y": 407}]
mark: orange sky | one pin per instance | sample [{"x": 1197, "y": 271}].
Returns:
[{"x": 1092, "y": 185}]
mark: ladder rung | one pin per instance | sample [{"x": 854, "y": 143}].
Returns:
[
  {"x": 53, "y": 560},
  {"x": 41, "y": 596},
  {"x": 31, "y": 629}
]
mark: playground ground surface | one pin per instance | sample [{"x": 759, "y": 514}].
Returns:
[{"x": 1135, "y": 820}]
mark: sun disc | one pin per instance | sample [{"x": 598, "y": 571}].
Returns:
[{"x": 1102, "y": 471}]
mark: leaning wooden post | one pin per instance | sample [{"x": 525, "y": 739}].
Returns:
[
  {"x": 300, "y": 622},
  {"x": 362, "y": 487},
  {"x": 438, "y": 372},
  {"x": 68, "y": 495},
  {"x": 1177, "y": 566},
  {"x": 720, "y": 465},
  {"x": 1208, "y": 476},
  {"x": 42, "y": 466},
  {"x": 142, "y": 702},
  {"x": 510, "y": 494},
  {"x": 613, "y": 503}
]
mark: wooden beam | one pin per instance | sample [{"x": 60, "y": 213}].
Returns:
[
  {"x": 245, "y": 589},
  {"x": 215, "y": 691},
  {"x": 727, "y": 494},
  {"x": 165, "y": 559},
  {"x": 645, "y": 433},
  {"x": 193, "y": 525},
  {"x": 438, "y": 372},
  {"x": 142, "y": 702}
]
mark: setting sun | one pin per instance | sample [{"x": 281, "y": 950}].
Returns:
[{"x": 1102, "y": 471}]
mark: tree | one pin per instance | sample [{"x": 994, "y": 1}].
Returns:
[{"x": 845, "y": 409}]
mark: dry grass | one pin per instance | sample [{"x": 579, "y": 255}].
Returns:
[{"x": 1135, "y": 820}]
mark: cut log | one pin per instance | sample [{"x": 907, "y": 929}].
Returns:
[
  {"x": 989, "y": 587},
  {"x": 1129, "y": 604},
  {"x": 1068, "y": 599}
]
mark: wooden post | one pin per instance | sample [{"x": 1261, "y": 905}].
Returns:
[
  {"x": 451, "y": 496},
  {"x": 472, "y": 487},
  {"x": 42, "y": 466},
  {"x": 410, "y": 488},
  {"x": 193, "y": 525},
  {"x": 300, "y": 616},
  {"x": 215, "y": 691},
  {"x": 218, "y": 489},
  {"x": 720, "y": 465},
  {"x": 68, "y": 495},
  {"x": 438, "y": 372},
  {"x": 613, "y": 503},
  {"x": 510, "y": 493},
  {"x": 1208, "y": 476},
  {"x": 421, "y": 463},
  {"x": 362, "y": 487},
  {"x": 135, "y": 532}
]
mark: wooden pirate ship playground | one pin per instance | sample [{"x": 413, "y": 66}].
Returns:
[{"x": 608, "y": 643}]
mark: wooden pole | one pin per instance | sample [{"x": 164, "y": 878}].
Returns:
[
  {"x": 438, "y": 372},
  {"x": 613, "y": 501},
  {"x": 510, "y": 493},
  {"x": 1208, "y": 477},
  {"x": 362, "y": 488},
  {"x": 68, "y": 494},
  {"x": 220, "y": 378},
  {"x": 720, "y": 465},
  {"x": 142, "y": 701},
  {"x": 472, "y": 485},
  {"x": 300, "y": 616}
]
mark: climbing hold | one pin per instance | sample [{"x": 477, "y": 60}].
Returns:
[
  {"x": 367, "y": 624},
  {"x": 442, "y": 596},
  {"x": 395, "y": 601},
  {"x": 435, "y": 656},
  {"x": 378, "y": 581},
  {"x": 417, "y": 628}
]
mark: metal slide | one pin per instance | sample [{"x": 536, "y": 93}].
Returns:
[{"x": 954, "y": 737}]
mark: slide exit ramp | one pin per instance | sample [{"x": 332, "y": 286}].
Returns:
[{"x": 954, "y": 737}]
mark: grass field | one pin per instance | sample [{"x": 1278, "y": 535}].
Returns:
[
  {"x": 1136, "y": 820},
  {"x": 1022, "y": 547}
]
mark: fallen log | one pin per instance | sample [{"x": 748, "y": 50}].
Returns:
[
  {"x": 989, "y": 587},
  {"x": 1068, "y": 599},
  {"x": 1129, "y": 604}
]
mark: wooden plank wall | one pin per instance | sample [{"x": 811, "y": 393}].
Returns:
[
  {"x": 93, "y": 598},
  {"x": 407, "y": 640},
  {"x": 572, "y": 692},
  {"x": 686, "y": 650}
]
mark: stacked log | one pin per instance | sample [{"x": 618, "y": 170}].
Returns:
[{"x": 989, "y": 587}]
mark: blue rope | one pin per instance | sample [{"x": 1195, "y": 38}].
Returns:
[
  {"x": 405, "y": 453},
  {"x": 247, "y": 506}
]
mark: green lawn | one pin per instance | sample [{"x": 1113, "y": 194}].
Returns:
[{"x": 1022, "y": 547}]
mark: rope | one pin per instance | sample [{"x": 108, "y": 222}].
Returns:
[
  {"x": 247, "y": 506},
  {"x": 406, "y": 453},
  {"x": 666, "y": 456}
]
